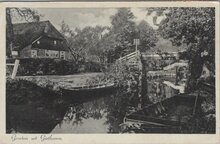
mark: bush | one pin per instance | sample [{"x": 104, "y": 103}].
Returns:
[
  {"x": 45, "y": 66},
  {"x": 19, "y": 91},
  {"x": 93, "y": 67}
]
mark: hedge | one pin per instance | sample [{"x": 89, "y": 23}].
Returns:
[{"x": 46, "y": 66}]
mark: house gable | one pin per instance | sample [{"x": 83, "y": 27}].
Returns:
[
  {"x": 39, "y": 40},
  {"x": 26, "y": 52},
  {"x": 48, "y": 43},
  {"x": 26, "y": 33}
]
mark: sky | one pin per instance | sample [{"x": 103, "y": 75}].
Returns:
[{"x": 81, "y": 17}]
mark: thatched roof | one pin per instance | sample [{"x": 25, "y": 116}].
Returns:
[{"x": 26, "y": 33}]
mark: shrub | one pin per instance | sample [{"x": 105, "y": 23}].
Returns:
[
  {"x": 20, "y": 91},
  {"x": 93, "y": 67},
  {"x": 45, "y": 66}
]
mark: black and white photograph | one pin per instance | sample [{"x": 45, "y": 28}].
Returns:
[{"x": 121, "y": 70}]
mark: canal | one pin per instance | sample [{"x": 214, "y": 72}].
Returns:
[
  {"x": 95, "y": 113},
  {"x": 99, "y": 114},
  {"x": 92, "y": 116}
]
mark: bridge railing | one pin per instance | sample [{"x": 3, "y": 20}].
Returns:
[{"x": 129, "y": 56}]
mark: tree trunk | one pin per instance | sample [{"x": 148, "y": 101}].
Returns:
[
  {"x": 195, "y": 68},
  {"x": 9, "y": 33}
]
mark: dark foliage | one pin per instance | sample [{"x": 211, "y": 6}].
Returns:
[
  {"x": 194, "y": 27},
  {"x": 46, "y": 66}
]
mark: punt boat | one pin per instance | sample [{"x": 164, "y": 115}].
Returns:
[
  {"x": 91, "y": 90},
  {"x": 168, "y": 116}
]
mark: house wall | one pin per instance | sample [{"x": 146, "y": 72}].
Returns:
[
  {"x": 41, "y": 53},
  {"x": 68, "y": 55},
  {"x": 46, "y": 48},
  {"x": 26, "y": 52}
]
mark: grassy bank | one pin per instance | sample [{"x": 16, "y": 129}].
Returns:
[{"x": 30, "y": 107}]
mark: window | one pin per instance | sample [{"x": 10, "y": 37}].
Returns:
[
  {"x": 56, "y": 54},
  {"x": 52, "y": 53},
  {"x": 33, "y": 53},
  {"x": 14, "y": 53},
  {"x": 47, "y": 53},
  {"x": 55, "y": 42},
  {"x": 38, "y": 42},
  {"x": 62, "y": 54}
]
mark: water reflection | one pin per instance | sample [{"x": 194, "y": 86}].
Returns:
[
  {"x": 102, "y": 113},
  {"x": 88, "y": 117},
  {"x": 32, "y": 119}
]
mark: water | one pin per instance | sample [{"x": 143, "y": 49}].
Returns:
[
  {"x": 88, "y": 117},
  {"x": 99, "y": 113}
]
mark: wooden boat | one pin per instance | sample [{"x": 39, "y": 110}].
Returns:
[
  {"x": 93, "y": 90},
  {"x": 167, "y": 116},
  {"x": 210, "y": 88}
]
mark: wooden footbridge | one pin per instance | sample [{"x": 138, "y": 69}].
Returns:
[{"x": 132, "y": 59}]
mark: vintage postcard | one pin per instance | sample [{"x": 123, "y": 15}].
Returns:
[{"x": 109, "y": 72}]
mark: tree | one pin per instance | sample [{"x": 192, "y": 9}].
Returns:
[
  {"x": 94, "y": 46},
  {"x": 69, "y": 36},
  {"x": 194, "y": 27},
  {"x": 86, "y": 43},
  {"x": 9, "y": 32},
  {"x": 17, "y": 13},
  {"x": 88, "y": 40},
  {"x": 107, "y": 44},
  {"x": 148, "y": 36},
  {"x": 123, "y": 29}
]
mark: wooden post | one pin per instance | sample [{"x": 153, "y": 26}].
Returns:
[
  {"x": 136, "y": 47},
  {"x": 140, "y": 91},
  {"x": 11, "y": 49},
  {"x": 140, "y": 68},
  {"x": 136, "y": 43},
  {"x": 15, "y": 69},
  {"x": 195, "y": 105},
  {"x": 176, "y": 81}
]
